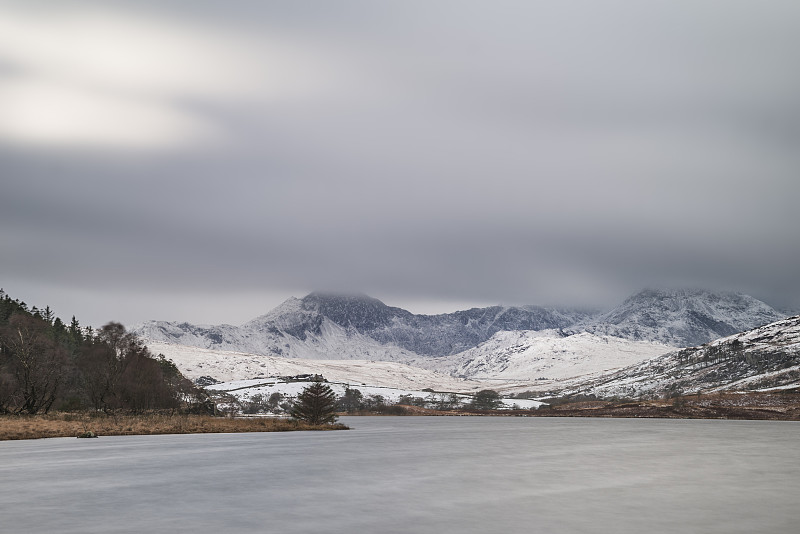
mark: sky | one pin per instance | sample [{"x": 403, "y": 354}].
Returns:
[{"x": 203, "y": 160}]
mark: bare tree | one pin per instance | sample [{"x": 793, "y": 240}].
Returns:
[
  {"x": 142, "y": 386},
  {"x": 118, "y": 371},
  {"x": 8, "y": 388},
  {"x": 36, "y": 362}
]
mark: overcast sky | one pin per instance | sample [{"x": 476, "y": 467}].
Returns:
[{"x": 205, "y": 160}]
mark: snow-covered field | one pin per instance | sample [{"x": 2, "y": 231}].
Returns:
[
  {"x": 226, "y": 366},
  {"x": 244, "y": 390},
  {"x": 508, "y": 362}
]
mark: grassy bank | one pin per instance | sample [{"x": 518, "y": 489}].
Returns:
[{"x": 72, "y": 425}]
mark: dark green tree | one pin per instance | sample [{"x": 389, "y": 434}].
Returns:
[
  {"x": 316, "y": 405},
  {"x": 75, "y": 332},
  {"x": 351, "y": 401},
  {"x": 487, "y": 399},
  {"x": 274, "y": 402},
  {"x": 48, "y": 315}
]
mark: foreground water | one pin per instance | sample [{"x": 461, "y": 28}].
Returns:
[{"x": 416, "y": 475}]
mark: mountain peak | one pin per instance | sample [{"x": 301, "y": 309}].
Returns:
[{"x": 349, "y": 310}]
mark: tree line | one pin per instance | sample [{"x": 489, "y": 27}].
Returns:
[
  {"x": 46, "y": 364},
  {"x": 353, "y": 401},
  {"x": 317, "y": 404}
]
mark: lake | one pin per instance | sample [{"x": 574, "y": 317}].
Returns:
[{"x": 416, "y": 475}]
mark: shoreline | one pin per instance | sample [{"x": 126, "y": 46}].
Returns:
[
  {"x": 66, "y": 425},
  {"x": 761, "y": 406}
]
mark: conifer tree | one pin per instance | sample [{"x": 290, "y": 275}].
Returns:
[
  {"x": 75, "y": 331},
  {"x": 316, "y": 405}
]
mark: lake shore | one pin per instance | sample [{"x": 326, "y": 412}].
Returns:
[
  {"x": 60, "y": 425},
  {"x": 771, "y": 406},
  {"x": 744, "y": 406}
]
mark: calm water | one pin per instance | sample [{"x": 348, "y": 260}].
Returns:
[{"x": 416, "y": 475}]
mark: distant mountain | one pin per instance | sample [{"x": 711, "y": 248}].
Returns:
[
  {"x": 767, "y": 357},
  {"x": 612, "y": 353},
  {"x": 681, "y": 318},
  {"x": 326, "y": 326},
  {"x": 341, "y": 327},
  {"x": 432, "y": 335}
]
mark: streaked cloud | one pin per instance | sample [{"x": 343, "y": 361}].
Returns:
[
  {"x": 430, "y": 152},
  {"x": 92, "y": 77}
]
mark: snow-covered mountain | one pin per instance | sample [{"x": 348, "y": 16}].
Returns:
[
  {"x": 528, "y": 346},
  {"x": 326, "y": 341},
  {"x": 321, "y": 326},
  {"x": 767, "y": 357},
  {"x": 681, "y": 318}
]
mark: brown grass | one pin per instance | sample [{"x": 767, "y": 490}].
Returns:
[{"x": 71, "y": 425}]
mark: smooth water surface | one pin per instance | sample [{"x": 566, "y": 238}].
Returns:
[{"x": 416, "y": 475}]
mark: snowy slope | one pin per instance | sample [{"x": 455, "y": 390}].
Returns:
[
  {"x": 226, "y": 366},
  {"x": 681, "y": 318},
  {"x": 545, "y": 358},
  {"x": 764, "y": 358}
]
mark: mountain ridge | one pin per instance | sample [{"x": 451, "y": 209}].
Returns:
[
  {"x": 300, "y": 320},
  {"x": 334, "y": 326}
]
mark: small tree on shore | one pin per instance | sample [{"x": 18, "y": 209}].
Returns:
[
  {"x": 316, "y": 405},
  {"x": 487, "y": 399},
  {"x": 351, "y": 401}
]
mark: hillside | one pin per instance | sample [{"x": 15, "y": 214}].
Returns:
[
  {"x": 764, "y": 358},
  {"x": 546, "y": 357}
]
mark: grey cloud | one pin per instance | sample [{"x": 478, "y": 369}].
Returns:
[{"x": 510, "y": 152}]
